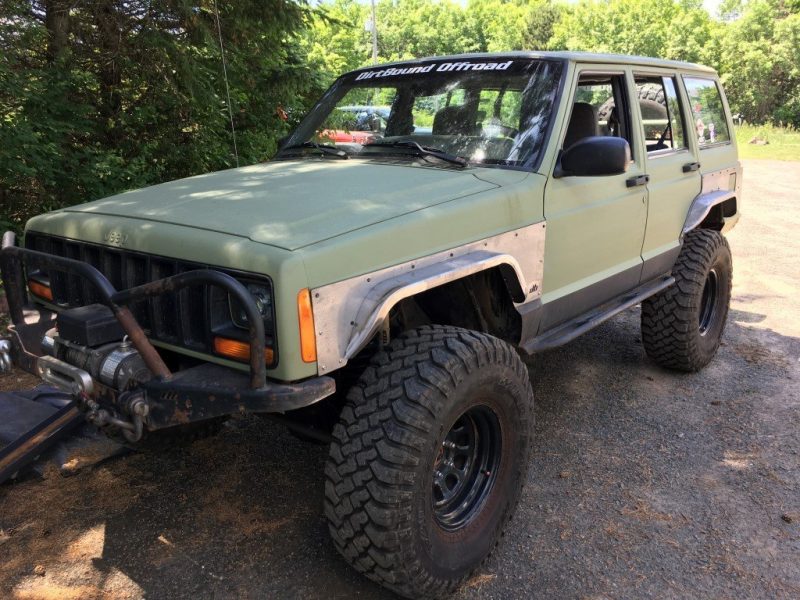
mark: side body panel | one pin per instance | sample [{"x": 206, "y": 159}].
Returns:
[{"x": 516, "y": 202}]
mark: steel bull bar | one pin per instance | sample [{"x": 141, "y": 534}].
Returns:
[{"x": 193, "y": 394}]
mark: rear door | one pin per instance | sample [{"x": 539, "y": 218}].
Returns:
[
  {"x": 672, "y": 164},
  {"x": 710, "y": 116}
]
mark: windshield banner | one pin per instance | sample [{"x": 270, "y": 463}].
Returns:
[{"x": 438, "y": 67}]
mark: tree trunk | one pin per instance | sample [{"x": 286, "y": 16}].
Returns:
[
  {"x": 110, "y": 34},
  {"x": 56, "y": 21}
]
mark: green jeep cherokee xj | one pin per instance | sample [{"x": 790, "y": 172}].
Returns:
[{"x": 376, "y": 290}]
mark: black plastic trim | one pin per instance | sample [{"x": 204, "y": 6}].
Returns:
[{"x": 579, "y": 302}]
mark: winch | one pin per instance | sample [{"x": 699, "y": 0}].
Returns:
[
  {"x": 87, "y": 346},
  {"x": 117, "y": 365}
]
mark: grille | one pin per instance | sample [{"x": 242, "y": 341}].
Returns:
[{"x": 187, "y": 318}]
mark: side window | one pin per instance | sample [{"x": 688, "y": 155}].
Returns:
[
  {"x": 599, "y": 109},
  {"x": 662, "y": 118},
  {"x": 711, "y": 126}
]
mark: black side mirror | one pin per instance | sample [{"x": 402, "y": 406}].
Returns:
[
  {"x": 282, "y": 141},
  {"x": 595, "y": 155}
]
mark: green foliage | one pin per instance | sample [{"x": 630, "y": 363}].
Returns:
[
  {"x": 758, "y": 57},
  {"x": 754, "y": 44},
  {"x": 100, "y": 97},
  {"x": 540, "y": 24},
  {"x": 662, "y": 28},
  {"x": 337, "y": 40}
]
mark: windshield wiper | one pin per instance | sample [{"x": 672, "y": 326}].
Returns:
[
  {"x": 420, "y": 150},
  {"x": 325, "y": 149}
]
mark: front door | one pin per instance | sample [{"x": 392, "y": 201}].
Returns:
[{"x": 595, "y": 225}]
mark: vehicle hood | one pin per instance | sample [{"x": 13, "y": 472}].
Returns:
[{"x": 292, "y": 204}]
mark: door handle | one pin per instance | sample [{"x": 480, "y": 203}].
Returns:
[
  {"x": 638, "y": 180},
  {"x": 692, "y": 166}
]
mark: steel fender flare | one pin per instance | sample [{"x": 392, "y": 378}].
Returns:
[
  {"x": 349, "y": 312},
  {"x": 703, "y": 204},
  {"x": 386, "y": 294}
]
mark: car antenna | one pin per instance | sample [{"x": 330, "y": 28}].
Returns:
[{"x": 227, "y": 87}]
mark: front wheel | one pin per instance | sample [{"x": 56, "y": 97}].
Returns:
[
  {"x": 682, "y": 326},
  {"x": 428, "y": 459}
]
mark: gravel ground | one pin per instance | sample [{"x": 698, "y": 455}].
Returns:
[{"x": 645, "y": 483}]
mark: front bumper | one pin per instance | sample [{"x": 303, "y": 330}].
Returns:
[{"x": 168, "y": 399}]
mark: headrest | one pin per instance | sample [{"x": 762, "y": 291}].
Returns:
[{"x": 582, "y": 123}]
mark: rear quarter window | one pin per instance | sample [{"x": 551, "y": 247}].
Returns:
[{"x": 708, "y": 112}]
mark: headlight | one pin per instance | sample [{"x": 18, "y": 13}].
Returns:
[{"x": 263, "y": 299}]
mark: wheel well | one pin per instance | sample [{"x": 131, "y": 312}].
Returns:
[
  {"x": 715, "y": 219},
  {"x": 481, "y": 302}
]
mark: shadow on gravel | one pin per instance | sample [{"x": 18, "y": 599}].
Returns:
[{"x": 645, "y": 483}]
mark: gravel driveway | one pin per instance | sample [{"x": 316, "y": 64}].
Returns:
[{"x": 645, "y": 483}]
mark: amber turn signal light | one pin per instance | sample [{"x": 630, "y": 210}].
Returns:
[
  {"x": 308, "y": 341},
  {"x": 42, "y": 290},
  {"x": 238, "y": 350}
]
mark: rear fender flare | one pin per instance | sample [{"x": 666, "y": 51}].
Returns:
[{"x": 717, "y": 187}]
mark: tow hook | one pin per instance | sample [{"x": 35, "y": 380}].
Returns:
[
  {"x": 5, "y": 357},
  {"x": 137, "y": 408}
]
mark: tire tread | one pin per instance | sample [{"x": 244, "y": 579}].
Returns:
[
  {"x": 669, "y": 322},
  {"x": 388, "y": 416}
]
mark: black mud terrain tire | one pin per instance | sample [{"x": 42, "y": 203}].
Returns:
[
  {"x": 428, "y": 459},
  {"x": 651, "y": 100},
  {"x": 682, "y": 326}
]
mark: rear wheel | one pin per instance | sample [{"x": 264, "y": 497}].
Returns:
[
  {"x": 682, "y": 326},
  {"x": 428, "y": 459}
]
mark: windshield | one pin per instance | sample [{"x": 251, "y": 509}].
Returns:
[{"x": 484, "y": 111}]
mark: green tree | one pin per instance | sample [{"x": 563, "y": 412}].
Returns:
[
  {"x": 418, "y": 28},
  {"x": 105, "y": 95},
  {"x": 758, "y": 57},
  {"x": 338, "y": 41},
  {"x": 661, "y": 28},
  {"x": 498, "y": 25},
  {"x": 540, "y": 23}
]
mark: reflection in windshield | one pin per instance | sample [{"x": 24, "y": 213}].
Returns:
[{"x": 489, "y": 112}]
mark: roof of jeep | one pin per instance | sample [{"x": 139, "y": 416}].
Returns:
[{"x": 584, "y": 57}]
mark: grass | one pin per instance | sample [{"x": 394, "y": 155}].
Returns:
[{"x": 784, "y": 142}]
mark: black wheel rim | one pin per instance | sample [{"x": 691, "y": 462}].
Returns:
[
  {"x": 708, "y": 303},
  {"x": 466, "y": 467}
]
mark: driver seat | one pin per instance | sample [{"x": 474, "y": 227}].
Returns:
[{"x": 582, "y": 123}]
